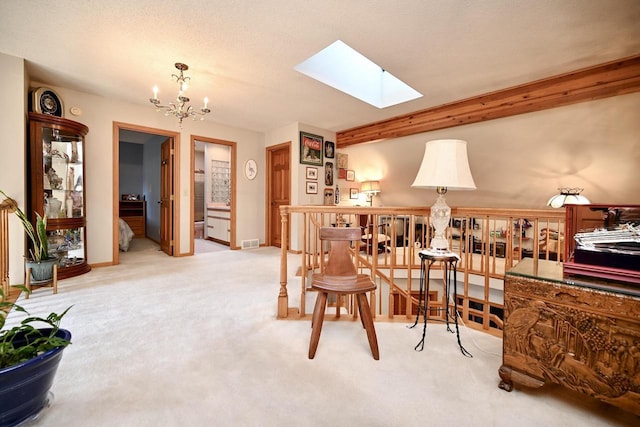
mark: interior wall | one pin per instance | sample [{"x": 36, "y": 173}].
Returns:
[
  {"x": 13, "y": 98},
  {"x": 520, "y": 161},
  {"x": 151, "y": 176},
  {"x": 130, "y": 171}
]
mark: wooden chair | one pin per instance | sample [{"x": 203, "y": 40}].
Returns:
[{"x": 341, "y": 277}]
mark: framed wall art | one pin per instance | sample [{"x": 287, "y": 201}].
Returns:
[
  {"x": 353, "y": 193},
  {"x": 342, "y": 174},
  {"x": 312, "y": 187},
  {"x": 312, "y": 173},
  {"x": 328, "y": 196},
  {"x": 351, "y": 175},
  {"x": 329, "y": 149},
  {"x": 311, "y": 147},
  {"x": 328, "y": 174},
  {"x": 342, "y": 160}
]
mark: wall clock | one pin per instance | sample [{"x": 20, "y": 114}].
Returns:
[
  {"x": 250, "y": 169},
  {"x": 47, "y": 101}
]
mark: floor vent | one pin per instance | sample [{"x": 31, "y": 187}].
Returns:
[{"x": 250, "y": 244}]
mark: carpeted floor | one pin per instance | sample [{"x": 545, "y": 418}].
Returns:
[{"x": 193, "y": 341}]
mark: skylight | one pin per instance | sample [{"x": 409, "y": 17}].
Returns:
[{"x": 343, "y": 68}]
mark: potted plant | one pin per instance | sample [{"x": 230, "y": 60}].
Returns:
[
  {"x": 29, "y": 358},
  {"x": 39, "y": 260}
]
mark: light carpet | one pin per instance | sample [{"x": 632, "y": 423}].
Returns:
[{"x": 193, "y": 341}]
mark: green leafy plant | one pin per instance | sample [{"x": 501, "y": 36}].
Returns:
[
  {"x": 24, "y": 341},
  {"x": 37, "y": 235}
]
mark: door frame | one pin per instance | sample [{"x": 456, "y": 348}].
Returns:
[
  {"x": 117, "y": 127},
  {"x": 232, "y": 205},
  {"x": 269, "y": 199}
]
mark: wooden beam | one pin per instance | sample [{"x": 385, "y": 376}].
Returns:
[{"x": 601, "y": 81}]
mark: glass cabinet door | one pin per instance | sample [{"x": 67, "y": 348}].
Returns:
[
  {"x": 67, "y": 245},
  {"x": 62, "y": 174}
]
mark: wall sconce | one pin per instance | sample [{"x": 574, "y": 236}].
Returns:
[
  {"x": 568, "y": 196},
  {"x": 370, "y": 189},
  {"x": 444, "y": 166}
]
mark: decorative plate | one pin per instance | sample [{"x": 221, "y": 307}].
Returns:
[{"x": 250, "y": 169}]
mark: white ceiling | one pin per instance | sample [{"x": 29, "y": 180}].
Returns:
[{"x": 241, "y": 53}]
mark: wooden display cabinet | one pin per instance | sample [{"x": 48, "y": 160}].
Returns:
[
  {"x": 583, "y": 334},
  {"x": 56, "y": 187}
]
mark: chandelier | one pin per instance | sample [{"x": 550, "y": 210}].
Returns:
[{"x": 180, "y": 109}]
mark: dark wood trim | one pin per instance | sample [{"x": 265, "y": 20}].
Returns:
[{"x": 614, "y": 78}]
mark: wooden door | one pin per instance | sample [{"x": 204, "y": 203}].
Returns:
[
  {"x": 166, "y": 196},
  {"x": 279, "y": 182}
]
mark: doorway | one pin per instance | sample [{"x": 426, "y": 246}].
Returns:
[
  {"x": 213, "y": 205},
  {"x": 278, "y": 190},
  {"x": 149, "y": 177}
]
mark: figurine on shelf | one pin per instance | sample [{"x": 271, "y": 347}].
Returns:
[
  {"x": 74, "y": 152},
  {"x": 54, "y": 180},
  {"x": 70, "y": 179}
]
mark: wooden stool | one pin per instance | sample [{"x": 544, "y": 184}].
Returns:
[
  {"x": 340, "y": 277},
  {"x": 53, "y": 282}
]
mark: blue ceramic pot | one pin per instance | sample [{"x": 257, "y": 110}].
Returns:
[{"x": 24, "y": 387}]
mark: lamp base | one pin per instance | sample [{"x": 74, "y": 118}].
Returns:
[{"x": 440, "y": 216}]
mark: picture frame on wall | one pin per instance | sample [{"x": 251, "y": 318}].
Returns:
[
  {"x": 342, "y": 174},
  {"x": 312, "y": 173},
  {"x": 342, "y": 160},
  {"x": 312, "y": 187},
  {"x": 328, "y": 196},
  {"x": 351, "y": 175},
  {"x": 328, "y": 174},
  {"x": 353, "y": 193},
  {"x": 311, "y": 148},
  {"x": 329, "y": 149}
]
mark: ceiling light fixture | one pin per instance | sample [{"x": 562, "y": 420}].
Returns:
[{"x": 180, "y": 109}]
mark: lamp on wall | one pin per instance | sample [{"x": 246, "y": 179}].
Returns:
[
  {"x": 568, "y": 196},
  {"x": 444, "y": 167},
  {"x": 180, "y": 109},
  {"x": 370, "y": 189}
]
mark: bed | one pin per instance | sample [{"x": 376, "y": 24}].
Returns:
[{"x": 125, "y": 235}]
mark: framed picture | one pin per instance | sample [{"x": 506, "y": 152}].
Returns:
[
  {"x": 328, "y": 196},
  {"x": 351, "y": 175},
  {"x": 328, "y": 174},
  {"x": 329, "y": 149},
  {"x": 342, "y": 174},
  {"x": 312, "y": 187},
  {"x": 312, "y": 173},
  {"x": 342, "y": 160},
  {"x": 353, "y": 193},
  {"x": 311, "y": 149}
]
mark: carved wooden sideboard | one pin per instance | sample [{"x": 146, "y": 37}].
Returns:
[{"x": 580, "y": 333}]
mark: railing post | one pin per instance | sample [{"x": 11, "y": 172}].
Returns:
[{"x": 283, "y": 297}]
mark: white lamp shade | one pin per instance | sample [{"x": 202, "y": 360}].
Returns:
[
  {"x": 445, "y": 164},
  {"x": 370, "y": 187},
  {"x": 568, "y": 197}
]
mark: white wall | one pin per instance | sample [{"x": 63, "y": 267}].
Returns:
[
  {"x": 520, "y": 161},
  {"x": 12, "y": 161}
]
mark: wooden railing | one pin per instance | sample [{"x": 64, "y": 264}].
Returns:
[
  {"x": 488, "y": 241},
  {"x": 7, "y": 206}
]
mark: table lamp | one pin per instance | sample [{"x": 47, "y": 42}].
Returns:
[
  {"x": 370, "y": 188},
  {"x": 444, "y": 167}
]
